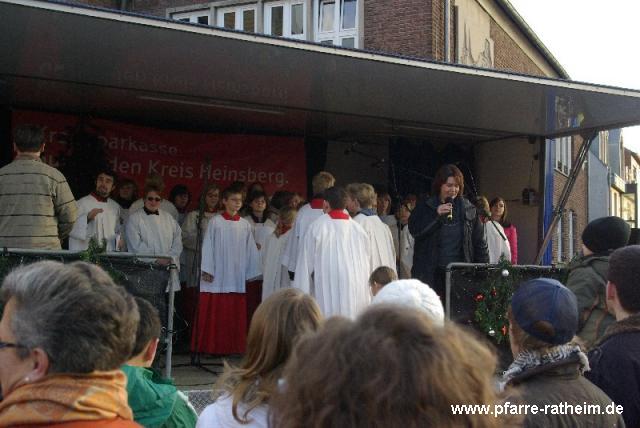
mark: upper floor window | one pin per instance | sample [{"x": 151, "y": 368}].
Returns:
[
  {"x": 193, "y": 16},
  {"x": 563, "y": 154},
  {"x": 242, "y": 18},
  {"x": 286, "y": 19},
  {"x": 336, "y": 22}
]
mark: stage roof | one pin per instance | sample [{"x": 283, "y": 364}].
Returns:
[{"x": 67, "y": 58}]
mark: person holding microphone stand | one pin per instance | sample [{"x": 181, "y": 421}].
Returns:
[{"x": 446, "y": 229}]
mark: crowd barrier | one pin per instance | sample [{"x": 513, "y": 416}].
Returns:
[{"x": 132, "y": 271}]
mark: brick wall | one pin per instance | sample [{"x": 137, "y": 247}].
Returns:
[
  {"x": 508, "y": 56},
  {"x": 402, "y": 27},
  {"x": 108, "y": 4},
  {"x": 577, "y": 202},
  {"x": 159, "y": 7}
]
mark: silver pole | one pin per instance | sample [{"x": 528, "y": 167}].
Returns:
[{"x": 173, "y": 270}]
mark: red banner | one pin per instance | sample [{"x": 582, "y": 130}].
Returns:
[{"x": 193, "y": 159}]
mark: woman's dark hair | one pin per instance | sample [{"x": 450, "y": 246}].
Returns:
[
  {"x": 503, "y": 220},
  {"x": 443, "y": 174},
  {"x": 179, "y": 189}
]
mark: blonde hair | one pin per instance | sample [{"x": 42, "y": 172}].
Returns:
[
  {"x": 322, "y": 181},
  {"x": 277, "y": 325},
  {"x": 364, "y": 193},
  {"x": 287, "y": 214},
  {"x": 391, "y": 367}
]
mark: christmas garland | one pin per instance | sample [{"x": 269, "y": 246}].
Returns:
[{"x": 493, "y": 299}]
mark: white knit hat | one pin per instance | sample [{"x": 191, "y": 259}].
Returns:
[{"x": 412, "y": 293}]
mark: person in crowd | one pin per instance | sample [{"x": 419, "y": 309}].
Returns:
[
  {"x": 244, "y": 393},
  {"x": 126, "y": 192},
  {"x": 278, "y": 200},
  {"x": 334, "y": 261},
  {"x": 615, "y": 360},
  {"x": 383, "y": 206},
  {"x": 155, "y": 401},
  {"x": 37, "y": 208},
  {"x": 155, "y": 180},
  {"x": 361, "y": 199},
  {"x": 306, "y": 215},
  {"x": 229, "y": 259},
  {"x": 241, "y": 187},
  {"x": 446, "y": 229},
  {"x": 380, "y": 277},
  {"x": 588, "y": 275},
  {"x": 61, "y": 367},
  {"x": 151, "y": 230},
  {"x": 180, "y": 197},
  {"x": 98, "y": 216},
  {"x": 497, "y": 241},
  {"x": 548, "y": 367},
  {"x": 410, "y": 200},
  {"x": 498, "y": 209},
  {"x": 275, "y": 275},
  {"x": 414, "y": 294},
  {"x": 295, "y": 201},
  {"x": 392, "y": 367},
  {"x": 403, "y": 241},
  {"x": 192, "y": 238}
]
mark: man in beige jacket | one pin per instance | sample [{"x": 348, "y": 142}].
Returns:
[{"x": 37, "y": 208}]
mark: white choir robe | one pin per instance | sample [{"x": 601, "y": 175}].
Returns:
[
  {"x": 497, "y": 246},
  {"x": 334, "y": 265},
  {"x": 382, "y": 250},
  {"x": 154, "y": 234},
  {"x": 229, "y": 253},
  {"x": 261, "y": 232},
  {"x": 274, "y": 273},
  {"x": 165, "y": 206},
  {"x": 306, "y": 215},
  {"x": 105, "y": 225}
]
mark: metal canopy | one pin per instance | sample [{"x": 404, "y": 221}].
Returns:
[{"x": 66, "y": 58}]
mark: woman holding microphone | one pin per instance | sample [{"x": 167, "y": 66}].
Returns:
[{"x": 446, "y": 229}]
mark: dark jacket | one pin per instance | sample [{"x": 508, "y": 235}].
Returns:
[
  {"x": 553, "y": 384},
  {"x": 615, "y": 367},
  {"x": 588, "y": 281},
  {"x": 425, "y": 225}
]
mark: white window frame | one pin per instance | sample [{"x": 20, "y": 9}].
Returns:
[
  {"x": 337, "y": 34},
  {"x": 563, "y": 154},
  {"x": 603, "y": 147},
  {"x": 192, "y": 16},
  {"x": 559, "y": 240},
  {"x": 239, "y": 16},
  {"x": 570, "y": 249},
  {"x": 287, "y": 6}
]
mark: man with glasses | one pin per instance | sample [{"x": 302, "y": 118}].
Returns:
[{"x": 152, "y": 230}]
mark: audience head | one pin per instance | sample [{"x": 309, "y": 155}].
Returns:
[
  {"x": 63, "y": 318},
  {"x": 335, "y": 198},
  {"x": 543, "y": 314},
  {"x": 623, "y": 289},
  {"x": 180, "y": 197},
  {"x": 147, "y": 334},
  {"x": 391, "y": 367},
  {"x": 210, "y": 197},
  {"x": 380, "y": 277},
  {"x": 498, "y": 208},
  {"x": 412, "y": 293},
  {"x": 321, "y": 182},
  {"x": 28, "y": 138},
  {"x": 105, "y": 183},
  {"x": 605, "y": 234},
  {"x": 448, "y": 182},
  {"x": 277, "y": 325}
]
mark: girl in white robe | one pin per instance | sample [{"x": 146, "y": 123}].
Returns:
[{"x": 275, "y": 275}]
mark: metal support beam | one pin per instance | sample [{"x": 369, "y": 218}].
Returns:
[{"x": 566, "y": 191}]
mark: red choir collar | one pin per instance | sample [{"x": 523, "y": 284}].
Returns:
[
  {"x": 98, "y": 197},
  {"x": 338, "y": 215},
  {"x": 227, "y": 216},
  {"x": 317, "y": 203}
]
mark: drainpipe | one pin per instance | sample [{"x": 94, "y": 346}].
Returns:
[{"x": 447, "y": 30}]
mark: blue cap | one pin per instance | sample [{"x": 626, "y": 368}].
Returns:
[{"x": 545, "y": 299}]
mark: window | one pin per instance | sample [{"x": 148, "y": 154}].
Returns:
[
  {"x": 603, "y": 145},
  {"x": 336, "y": 22},
  {"x": 564, "y": 154},
  {"x": 241, "y": 18},
  {"x": 193, "y": 16},
  {"x": 285, "y": 19},
  {"x": 559, "y": 240},
  {"x": 570, "y": 241}
]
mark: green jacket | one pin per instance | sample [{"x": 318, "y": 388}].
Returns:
[
  {"x": 155, "y": 401},
  {"x": 588, "y": 280}
]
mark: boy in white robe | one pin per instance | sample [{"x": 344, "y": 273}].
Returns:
[
  {"x": 98, "y": 216},
  {"x": 334, "y": 263},
  {"x": 307, "y": 214},
  {"x": 229, "y": 259},
  {"x": 360, "y": 200},
  {"x": 275, "y": 275}
]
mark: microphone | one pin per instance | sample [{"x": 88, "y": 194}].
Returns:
[{"x": 449, "y": 200}]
